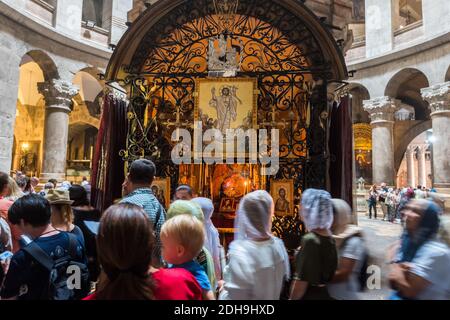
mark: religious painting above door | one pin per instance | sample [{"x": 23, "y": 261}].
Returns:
[
  {"x": 282, "y": 192},
  {"x": 227, "y": 103}
]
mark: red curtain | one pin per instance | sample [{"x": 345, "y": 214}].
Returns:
[
  {"x": 108, "y": 166},
  {"x": 341, "y": 151}
]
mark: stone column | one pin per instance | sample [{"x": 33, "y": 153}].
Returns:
[
  {"x": 438, "y": 97},
  {"x": 58, "y": 96},
  {"x": 410, "y": 166},
  {"x": 381, "y": 111},
  {"x": 379, "y": 27},
  {"x": 422, "y": 164}
]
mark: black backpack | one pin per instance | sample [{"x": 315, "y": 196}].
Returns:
[
  {"x": 59, "y": 272},
  {"x": 362, "y": 275}
]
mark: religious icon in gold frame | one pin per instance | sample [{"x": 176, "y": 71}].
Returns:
[
  {"x": 228, "y": 205},
  {"x": 282, "y": 192},
  {"x": 161, "y": 189},
  {"x": 226, "y": 103}
]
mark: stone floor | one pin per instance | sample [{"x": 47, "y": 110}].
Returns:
[{"x": 379, "y": 236}]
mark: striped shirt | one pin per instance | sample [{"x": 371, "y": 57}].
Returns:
[{"x": 145, "y": 198}]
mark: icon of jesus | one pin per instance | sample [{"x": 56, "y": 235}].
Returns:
[{"x": 226, "y": 106}]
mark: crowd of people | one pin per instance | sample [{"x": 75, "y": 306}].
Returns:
[
  {"x": 136, "y": 250},
  {"x": 392, "y": 200}
]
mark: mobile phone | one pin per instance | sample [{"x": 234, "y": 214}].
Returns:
[{"x": 6, "y": 255}]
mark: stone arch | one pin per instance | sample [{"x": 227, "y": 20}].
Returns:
[
  {"x": 416, "y": 147},
  {"x": 81, "y": 141},
  {"x": 405, "y": 85},
  {"x": 46, "y": 64},
  {"x": 91, "y": 88},
  {"x": 359, "y": 93},
  {"x": 447, "y": 75},
  {"x": 407, "y": 137},
  {"x": 130, "y": 50}
]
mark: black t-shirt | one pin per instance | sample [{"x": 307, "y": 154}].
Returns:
[{"x": 26, "y": 278}]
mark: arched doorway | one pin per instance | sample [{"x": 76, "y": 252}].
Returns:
[
  {"x": 416, "y": 166},
  {"x": 405, "y": 86},
  {"x": 81, "y": 144},
  {"x": 272, "y": 59},
  {"x": 35, "y": 67},
  {"x": 362, "y": 133}
]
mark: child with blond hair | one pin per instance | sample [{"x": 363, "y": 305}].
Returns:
[{"x": 182, "y": 239}]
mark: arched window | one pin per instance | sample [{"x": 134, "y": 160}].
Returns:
[{"x": 92, "y": 12}]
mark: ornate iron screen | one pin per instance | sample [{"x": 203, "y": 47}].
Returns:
[{"x": 273, "y": 46}]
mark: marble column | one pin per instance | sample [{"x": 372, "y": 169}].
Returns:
[
  {"x": 422, "y": 164},
  {"x": 410, "y": 170},
  {"x": 438, "y": 97},
  {"x": 58, "y": 96},
  {"x": 381, "y": 111}
]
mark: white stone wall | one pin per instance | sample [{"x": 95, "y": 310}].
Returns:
[{"x": 22, "y": 31}]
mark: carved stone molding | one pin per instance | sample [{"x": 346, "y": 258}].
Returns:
[
  {"x": 58, "y": 93},
  {"x": 381, "y": 108},
  {"x": 438, "y": 96}
]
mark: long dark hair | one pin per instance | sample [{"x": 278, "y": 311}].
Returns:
[{"x": 125, "y": 244}]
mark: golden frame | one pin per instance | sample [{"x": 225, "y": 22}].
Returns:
[
  {"x": 162, "y": 184},
  {"x": 288, "y": 186},
  {"x": 248, "y": 99}
]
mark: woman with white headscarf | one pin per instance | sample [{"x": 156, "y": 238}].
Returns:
[
  {"x": 258, "y": 262},
  {"x": 212, "y": 241},
  {"x": 353, "y": 255},
  {"x": 316, "y": 261}
]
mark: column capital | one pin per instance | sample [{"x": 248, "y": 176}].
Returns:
[
  {"x": 381, "y": 109},
  {"x": 58, "y": 93},
  {"x": 438, "y": 96}
]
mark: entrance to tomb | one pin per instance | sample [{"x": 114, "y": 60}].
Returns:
[{"x": 231, "y": 64}]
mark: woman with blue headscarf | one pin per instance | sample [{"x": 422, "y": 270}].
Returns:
[{"x": 420, "y": 269}]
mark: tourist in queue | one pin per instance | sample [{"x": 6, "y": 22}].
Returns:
[
  {"x": 9, "y": 193},
  {"x": 316, "y": 261},
  {"x": 28, "y": 276},
  {"x": 419, "y": 263},
  {"x": 373, "y": 196},
  {"x": 83, "y": 212},
  {"x": 204, "y": 257},
  {"x": 137, "y": 190},
  {"x": 346, "y": 283},
  {"x": 258, "y": 265},
  {"x": 183, "y": 237},
  {"x": 129, "y": 274},
  {"x": 62, "y": 215},
  {"x": 382, "y": 194},
  {"x": 212, "y": 241},
  {"x": 183, "y": 192}
]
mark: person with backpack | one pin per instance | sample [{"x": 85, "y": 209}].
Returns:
[
  {"x": 351, "y": 276},
  {"x": 52, "y": 266},
  {"x": 137, "y": 187}
]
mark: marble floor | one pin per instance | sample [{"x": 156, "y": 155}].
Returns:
[{"x": 379, "y": 235}]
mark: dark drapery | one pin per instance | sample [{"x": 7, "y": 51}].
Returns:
[
  {"x": 108, "y": 166},
  {"x": 341, "y": 151}
]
